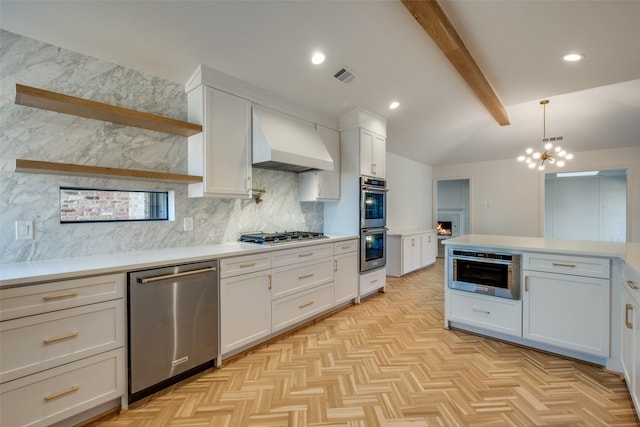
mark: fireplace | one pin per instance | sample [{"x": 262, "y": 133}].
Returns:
[{"x": 445, "y": 228}]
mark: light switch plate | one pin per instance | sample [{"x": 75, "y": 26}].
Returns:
[
  {"x": 24, "y": 230},
  {"x": 188, "y": 224}
]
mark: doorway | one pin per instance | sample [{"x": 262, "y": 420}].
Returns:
[
  {"x": 452, "y": 209},
  {"x": 587, "y": 205}
]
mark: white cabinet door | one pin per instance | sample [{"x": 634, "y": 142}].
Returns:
[
  {"x": 322, "y": 185},
  {"x": 372, "y": 154},
  {"x": 429, "y": 248},
  {"x": 222, "y": 152},
  {"x": 567, "y": 311},
  {"x": 411, "y": 253},
  {"x": 345, "y": 277},
  {"x": 635, "y": 390},
  {"x": 245, "y": 309},
  {"x": 629, "y": 323}
]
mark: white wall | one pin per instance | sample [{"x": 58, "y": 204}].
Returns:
[
  {"x": 514, "y": 194},
  {"x": 409, "y": 204}
]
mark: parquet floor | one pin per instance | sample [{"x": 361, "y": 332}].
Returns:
[{"x": 389, "y": 362}]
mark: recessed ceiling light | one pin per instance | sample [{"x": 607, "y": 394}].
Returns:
[
  {"x": 573, "y": 57},
  {"x": 394, "y": 105},
  {"x": 317, "y": 58}
]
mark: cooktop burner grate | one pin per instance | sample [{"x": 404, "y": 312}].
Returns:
[{"x": 281, "y": 237}]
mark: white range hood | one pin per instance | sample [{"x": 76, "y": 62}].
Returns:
[{"x": 283, "y": 142}]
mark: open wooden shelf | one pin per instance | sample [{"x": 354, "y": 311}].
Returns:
[
  {"x": 50, "y": 168},
  {"x": 40, "y": 98}
]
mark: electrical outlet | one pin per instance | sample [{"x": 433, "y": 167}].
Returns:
[
  {"x": 188, "y": 224},
  {"x": 24, "y": 230}
]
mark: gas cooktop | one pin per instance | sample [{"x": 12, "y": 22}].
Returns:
[{"x": 281, "y": 237}]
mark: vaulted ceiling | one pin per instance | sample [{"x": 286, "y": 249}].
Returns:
[{"x": 517, "y": 44}]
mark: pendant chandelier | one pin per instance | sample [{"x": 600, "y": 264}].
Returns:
[{"x": 551, "y": 154}]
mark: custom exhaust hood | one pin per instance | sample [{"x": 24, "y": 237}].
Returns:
[{"x": 283, "y": 142}]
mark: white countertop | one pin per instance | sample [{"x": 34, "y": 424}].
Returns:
[
  {"x": 629, "y": 252},
  {"x": 21, "y": 273},
  {"x": 407, "y": 232}
]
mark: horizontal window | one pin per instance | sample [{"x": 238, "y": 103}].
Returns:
[{"x": 99, "y": 205}]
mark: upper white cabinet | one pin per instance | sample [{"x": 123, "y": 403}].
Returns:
[
  {"x": 322, "y": 185},
  {"x": 372, "y": 154},
  {"x": 222, "y": 152}
]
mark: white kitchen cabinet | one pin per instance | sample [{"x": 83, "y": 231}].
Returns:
[
  {"x": 221, "y": 154},
  {"x": 245, "y": 301},
  {"x": 631, "y": 333},
  {"x": 345, "y": 266},
  {"x": 373, "y": 151},
  {"x": 567, "y": 311},
  {"x": 322, "y": 185},
  {"x": 429, "y": 248},
  {"x": 372, "y": 281},
  {"x": 409, "y": 251},
  {"x": 488, "y": 312},
  {"x": 62, "y": 349}
]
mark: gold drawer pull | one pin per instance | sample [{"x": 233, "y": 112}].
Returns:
[
  {"x": 56, "y": 339},
  {"x": 62, "y": 393},
  {"x": 374, "y": 280},
  {"x": 335, "y": 265},
  {"x": 631, "y": 284},
  {"x": 247, "y": 265},
  {"x": 627, "y": 309},
  {"x": 270, "y": 282},
  {"x": 305, "y": 255},
  {"x": 307, "y": 304},
  {"x": 559, "y": 264},
  {"x": 305, "y": 276},
  {"x": 48, "y": 298},
  {"x": 475, "y": 310},
  {"x": 346, "y": 247}
]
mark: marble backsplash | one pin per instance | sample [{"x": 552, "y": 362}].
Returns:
[{"x": 30, "y": 133}]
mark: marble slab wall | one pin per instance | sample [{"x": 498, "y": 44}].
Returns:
[{"x": 31, "y": 133}]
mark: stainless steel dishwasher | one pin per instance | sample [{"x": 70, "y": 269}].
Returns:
[{"x": 173, "y": 324}]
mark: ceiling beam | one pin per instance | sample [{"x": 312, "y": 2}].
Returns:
[{"x": 434, "y": 21}]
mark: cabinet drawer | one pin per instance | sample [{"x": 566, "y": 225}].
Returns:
[
  {"x": 497, "y": 314},
  {"x": 35, "y": 343},
  {"x": 244, "y": 264},
  {"x": 56, "y": 394},
  {"x": 372, "y": 281},
  {"x": 295, "y": 308},
  {"x": 295, "y": 278},
  {"x": 577, "y": 266},
  {"x": 631, "y": 281},
  {"x": 308, "y": 253},
  {"x": 345, "y": 247},
  {"x": 46, "y": 297}
]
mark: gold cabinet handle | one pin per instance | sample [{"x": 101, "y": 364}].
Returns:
[
  {"x": 61, "y": 338},
  {"x": 413, "y": 242},
  {"x": 475, "y": 310},
  {"x": 632, "y": 285},
  {"x": 627, "y": 309},
  {"x": 307, "y": 304},
  {"x": 247, "y": 264},
  {"x": 305, "y": 276},
  {"x": 305, "y": 255},
  {"x": 269, "y": 282},
  {"x": 154, "y": 279},
  {"x": 346, "y": 247},
  {"x": 48, "y": 298},
  {"x": 374, "y": 281},
  {"x": 62, "y": 393},
  {"x": 526, "y": 283},
  {"x": 335, "y": 265},
  {"x": 559, "y": 264}
]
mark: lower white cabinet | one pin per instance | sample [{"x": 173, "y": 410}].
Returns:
[
  {"x": 245, "y": 309},
  {"x": 410, "y": 251},
  {"x": 372, "y": 281},
  {"x": 631, "y": 333},
  {"x": 62, "y": 349},
  {"x": 567, "y": 311},
  {"x": 295, "y": 308},
  {"x": 345, "y": 277},
  {"x": 493, "y": 313}
]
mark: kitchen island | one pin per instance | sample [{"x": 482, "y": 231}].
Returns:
[{"x": 574, "y": 298}]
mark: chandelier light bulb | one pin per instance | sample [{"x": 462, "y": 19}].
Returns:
[
  {"x": 560, "y": 163},
  {"x": 548, "y": 146},
  {"x": 541, "y": 167},
  {"x": 529, "y": 150},
  {"x": 568, "y": 156},
  {"x": 532, "y": 165},
  {"x": 562, "y": 153},
  {"x": 521, "y": 158},
  {"x": 558, "y": 149},
  {"x": 536, "y": 155}
]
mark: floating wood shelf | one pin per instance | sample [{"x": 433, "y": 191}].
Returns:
[
  {"x": 50, "y": 168},
  {"x": 40, "y": 98}
]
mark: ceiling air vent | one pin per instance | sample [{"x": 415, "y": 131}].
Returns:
[
  {"x": 344, "y": 75},
  {"x": 553, "y": 139}
]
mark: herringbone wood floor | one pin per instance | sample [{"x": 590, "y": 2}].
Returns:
[{"x": 389, "y": 362}]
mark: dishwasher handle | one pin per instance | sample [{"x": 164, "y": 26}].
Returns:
[{"x": 174, "y": 275}]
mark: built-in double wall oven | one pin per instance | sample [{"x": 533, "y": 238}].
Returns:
[
  {"x": 485, "y": 272},
  {"x": 373, "y": 222}
]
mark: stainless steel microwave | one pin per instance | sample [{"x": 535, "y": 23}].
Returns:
[{"x": 488, "y": 273}]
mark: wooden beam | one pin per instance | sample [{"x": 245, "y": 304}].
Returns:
[
  {"x": 68, "y": 169},
  {"x": 434, "y": 21}
]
